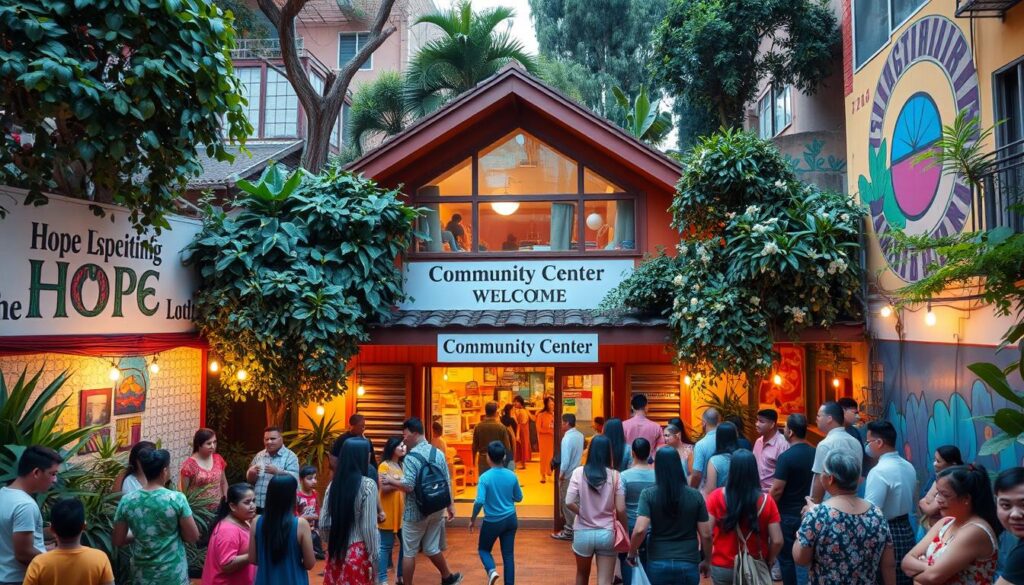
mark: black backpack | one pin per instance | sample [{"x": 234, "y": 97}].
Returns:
[{"x": 431, "y": 489}]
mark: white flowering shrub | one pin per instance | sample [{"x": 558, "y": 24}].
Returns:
[{"x": 762, "y": 256}]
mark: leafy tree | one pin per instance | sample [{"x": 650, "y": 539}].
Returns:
[
  {"x": 289, "y": 283},
  {"x": 470, "y": 50},
  {"x": 570, "y": 78},
  {"x": 992, "y": 260},
  {"x": 110, "y": 100},
  {"x": 714, "y": 53},
  {"x": 610, "y": 38},
  {"x": 322, "y": 109},
  {"x": 378, "y": 110},
  {"x": 762, "y": 256},
  {"x": 692, "y": 123},
  {"x": 643, "y": 120}
]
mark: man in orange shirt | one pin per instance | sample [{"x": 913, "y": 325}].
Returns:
[{"x": 70, "y": 563}]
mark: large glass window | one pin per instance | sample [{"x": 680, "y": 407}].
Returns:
[
  {"x": 525, "y": 197},
  {"x": 775, "y": 111},
  {"x": 250, "y": 82},
  {"x": 902, "y": 9},
  {"x": 870, "y": 28},
  {"x": 282, "y": 111},
  {"x": 349, "y": 44}
]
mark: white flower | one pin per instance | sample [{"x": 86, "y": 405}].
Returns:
[
  {"x": 780, "y": 184},
  {"x": 813, "y": 255},
  {"x": 695, "y": 288},
  {"x": 769, "y": 249},
  {"x": 845, "y": 217},
  {"x": 693, "y": 302},
  {"x": 730, "y": 215},
  {"x": 759, "y": 228},
  {"x": 752, "y": 210},
  {"x": 718, "y": 307},
  {"x": 678, "y": 280},
  {"x": 837, "y": 266},
  {"x": 755, "y": 301},
  {"x": 702, "y": 323},
  {"x": 682, "y": 249}
]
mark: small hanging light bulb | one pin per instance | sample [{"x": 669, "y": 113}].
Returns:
[
  {"x": 320, "y": 410},
  {"x": 114, "y": 373},
  {"x": 360, "y": 390},
  {"x": 929, "y": 318},
  {"x": 835, "y": 382},
  {"x": 241, "y": 375},
  {"x": 777, "y": 380},
  {"x": 886, "y": 312},
  {"x": 214, "y": 366},
  {"x": 687, "y": 379},
  {"x": 154, "y": 368},
  {"x": 445, "y": 376}
]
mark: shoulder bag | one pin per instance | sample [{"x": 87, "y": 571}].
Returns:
[{"x": 746, "y": 569}]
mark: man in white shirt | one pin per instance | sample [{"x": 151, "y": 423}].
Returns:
[
  {"x": 891, "y": 486},
  {"x": 569, "y": 459},
  {"x": 830, "y": 422},
  {"x": 21, "y": 524},
  {"x": 705, "y": 447}
]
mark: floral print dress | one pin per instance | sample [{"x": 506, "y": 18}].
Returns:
[
  {"x": 159, "y": 553},
  {"x": 979, "y": 572},
  {"x": 847, "y": 547}
]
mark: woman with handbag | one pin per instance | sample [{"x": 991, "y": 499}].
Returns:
[
  {"x": 677, "y": 517},
  {"x": 845, "y": 539},
  {"x": 747, "y": 535},
  {"x": 598, "y": 498}
]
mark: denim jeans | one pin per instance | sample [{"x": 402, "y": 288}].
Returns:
[
  {"x": 792, "y": 573},
  {"x": 505, "y": 531},
  {"x": 672, "y": 572},
  {"x": 387, "y": 544}
]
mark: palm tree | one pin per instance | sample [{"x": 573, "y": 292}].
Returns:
[
  {"x": 643, "y": 120},
  {"x": 470, "y": 50},
  {"x": 378, "y": 110}
]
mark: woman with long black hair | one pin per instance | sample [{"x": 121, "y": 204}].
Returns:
[
  {"x": 227, "y": 557},
  {"x": 621, "y": 458},
  {"x": 742, "y": 516},
  {"x": 726, "y": 443},
  {"x": 281, "y": 543},
  {"x": 349, "y": 519},
  {"x": 597, "y": 497},
  {"x": 677, "y": 518}
]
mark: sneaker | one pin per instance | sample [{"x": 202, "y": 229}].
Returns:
[
  {"x": 776, "y": 572},
  {"x": 492, "y": 579},
  {"x": 563, "y": 535},
  {"x": 453, "y": 579}
]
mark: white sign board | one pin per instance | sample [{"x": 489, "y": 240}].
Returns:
[
  {"x": 66, "y": 271},
  {"x": 517, "y": 348},
  {"x": 496, "y": 285}
]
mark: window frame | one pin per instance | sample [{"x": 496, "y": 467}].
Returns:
[
  {"x": 999, "y": 108},
  {"x": 580, "y": 198},
  {"x": 359, "y": 35},
  {"x": 768, "y": 97},
  {"x": 853, "y": 32}
]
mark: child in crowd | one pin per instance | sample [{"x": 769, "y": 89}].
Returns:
[
  {"x": 227, "y": 558},
  {"x": 70, "y": 563},
  {"x": 307, "y": 507}
]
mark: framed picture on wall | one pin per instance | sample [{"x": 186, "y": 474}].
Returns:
[
  {"x": 490, "y": 374},
  {"x": 95, "y": 440},
  {"x": 783, "y": 389},
  {"x": 129, "y": 432},
  {"x": 536, "y": 383},
  {"x": 94, "y": 407}
]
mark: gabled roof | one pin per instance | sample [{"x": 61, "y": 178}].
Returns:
[
  {"x": 223, "y": 174},
  {"x": 514, "y": 97}
]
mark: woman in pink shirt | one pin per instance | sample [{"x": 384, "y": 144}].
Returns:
[
  {"x": 227, "y": 558},
  {"x": 597, "y": 497}
]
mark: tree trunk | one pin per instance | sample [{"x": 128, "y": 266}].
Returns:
[
  {"x": 318, "y": 140},
  {"x": 276, "y": 408}
]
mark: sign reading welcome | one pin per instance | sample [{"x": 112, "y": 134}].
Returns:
[
  {"x": 496, "y": 285},
  {"x": 66, "y": 271},
  {"x": 517, "y": 348}
]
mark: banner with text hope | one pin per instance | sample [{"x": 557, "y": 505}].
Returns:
[
  {"x": 507, "y": 284},
  {"x": 66, "y": 271}
]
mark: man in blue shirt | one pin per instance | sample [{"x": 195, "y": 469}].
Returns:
[
  {"x": 497, "y": 493},
  {"x": 570, "y": 458},
  {"x": 705, "y": 447}
]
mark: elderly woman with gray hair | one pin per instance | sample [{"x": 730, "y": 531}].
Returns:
[{"x": 845, "y": 539}]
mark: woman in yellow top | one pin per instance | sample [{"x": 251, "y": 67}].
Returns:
[
  {"x": 546, "y": 437},
  {"x": 392, "y": 503}
]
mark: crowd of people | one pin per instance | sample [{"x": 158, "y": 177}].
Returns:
[{"x": 635, "y": 497}]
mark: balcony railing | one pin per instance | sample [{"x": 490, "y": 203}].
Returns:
[
  {"x": 984, "y": 8},
  {"x": 999, "y": 201},
  {"x": 261, "y": 48}
]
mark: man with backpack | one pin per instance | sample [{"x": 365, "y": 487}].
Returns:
[{"x": 426, "y": 480}]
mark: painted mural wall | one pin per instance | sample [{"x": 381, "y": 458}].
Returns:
[{"x": 932, "y": 66}]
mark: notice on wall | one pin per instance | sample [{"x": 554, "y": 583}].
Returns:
[
  {"x": 68, "y": 272},
  {"x": 497, "y": 285},
  {"x": 517, "y": 348}
]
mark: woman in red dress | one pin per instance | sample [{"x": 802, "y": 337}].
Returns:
[{"x": 204, "y": 468}]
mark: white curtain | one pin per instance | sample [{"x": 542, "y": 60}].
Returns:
[{"x": 562, "y": 224}]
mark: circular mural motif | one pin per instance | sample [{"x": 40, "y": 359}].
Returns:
[
  {"x": 918, "y": 127},
  {"x": 900, "y": 192}
]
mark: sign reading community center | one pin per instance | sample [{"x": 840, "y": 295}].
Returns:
[
  {"x": 517, "y": 348},
  {"x": 68, "y": 272},
  {"x": 497, "y": 285}
]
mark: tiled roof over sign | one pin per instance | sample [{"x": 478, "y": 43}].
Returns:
[{"x": 521, "y": 318}]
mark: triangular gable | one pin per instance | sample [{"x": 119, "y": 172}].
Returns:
[{"x": 512, "y": 92}]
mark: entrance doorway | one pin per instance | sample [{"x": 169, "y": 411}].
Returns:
[{"x": 457, "y": 396}]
